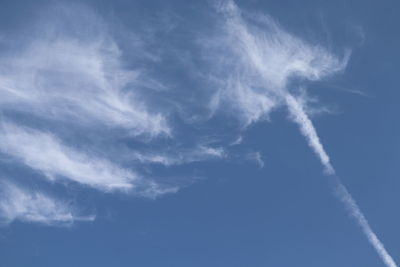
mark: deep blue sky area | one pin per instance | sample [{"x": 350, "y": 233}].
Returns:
[{"x": 264, "y": 201}]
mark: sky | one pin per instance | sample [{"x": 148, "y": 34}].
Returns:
[{"x": 199, "y": 133}]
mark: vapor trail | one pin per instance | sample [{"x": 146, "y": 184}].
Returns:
[
  {"x": 299, "y": 116},
  {"x": 269, "y": 57},
  {"x": 352, "y": 207},
  {"x": 307, "y": 128}
]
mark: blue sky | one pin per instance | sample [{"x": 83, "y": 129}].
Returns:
[{"x": 199, "y": 133}]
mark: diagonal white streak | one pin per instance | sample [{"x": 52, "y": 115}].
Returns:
[
  {"x": 351, "y": 205},
  {"x": 299, "y": 116},
  {"x": 268, "y": 57}
]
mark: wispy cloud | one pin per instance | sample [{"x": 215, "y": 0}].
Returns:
[
  {"x": 194, "y": 154},
  {"x": 70, "y": 73},
  {"x": 257, "y": 63},
  {"x": 78, "y": 105},
  {"x": 263, "y": 61},
  {"x": 18, "y": 204},
  {"x": 44, "y": 152},
  {"x": 266, "y": 59},
  {"x": 269, "y": 58}
]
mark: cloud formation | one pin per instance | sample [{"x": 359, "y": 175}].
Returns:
[
  {"x": 18, "y": 204},
  {"x": 84, "y": 80},
  {"x": 259, "y": 61},
  {"x": 70, "y": 81},
  {"x": 79, "y": 106},
  {"x": 176, "y": 157},
  {"x": 45, "y": 153},
  {"x": 266, "y": 60}
]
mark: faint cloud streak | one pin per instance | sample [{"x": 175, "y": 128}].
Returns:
[{"x": 17, "y": 204}]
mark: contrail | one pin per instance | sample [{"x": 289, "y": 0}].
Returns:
[
  {"x": 352, "y": 207},
  {"x": 299, "y": 116},
  {"x": 307, "y": 128},
  {"x": 276, "y": 56}
]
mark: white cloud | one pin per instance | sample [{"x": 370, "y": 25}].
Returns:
[
  {"x": 178, "y": 157},
  {"x": 69, "y": 72},
  {"x": 45, "y": 153},
  {"x": 78, "y": 75},
  {"x": 17, "y": 204},
  {"x": 258, "y": 60},
  {"x": 265, "y": 59}
]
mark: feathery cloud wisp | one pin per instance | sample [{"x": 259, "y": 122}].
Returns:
[
  {"x": 79, "y": 104},
  {"x": 257, "y": 64},
  {"x": 195, "y": 154},
  {"x": 44, "y": 152},
  {"x": 269, "y": 58},
  {"x": 68, "y": 78},
  {"x": 17, "y": 204}
]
